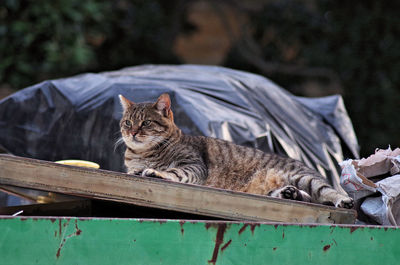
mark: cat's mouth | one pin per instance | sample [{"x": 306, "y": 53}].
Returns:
[{"x": 135, "y": 139}]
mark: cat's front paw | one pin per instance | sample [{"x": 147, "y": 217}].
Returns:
[
  {"x": 291, "y": 193},
  {"x": 152, "y": 173},
  {"x": 345, "y": 203}
]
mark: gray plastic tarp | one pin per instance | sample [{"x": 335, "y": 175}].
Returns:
[{"x": 77, "y": 117}]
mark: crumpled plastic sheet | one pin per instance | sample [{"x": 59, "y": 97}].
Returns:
[{"x": 78, "y": 117}]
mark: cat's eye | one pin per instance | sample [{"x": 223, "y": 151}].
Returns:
[
  {"x": 146, "y": 123},
  {"x": 128, "y": 123}
]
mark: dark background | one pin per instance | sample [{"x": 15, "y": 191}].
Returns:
[{"x": 311, "y": 48}]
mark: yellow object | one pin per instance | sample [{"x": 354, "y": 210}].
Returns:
[
  {"x": 44, "y": 199},
  {"x": 79, "y": 163}
]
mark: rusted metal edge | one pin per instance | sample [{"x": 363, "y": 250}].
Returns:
[{"x": 352, "y": 227}]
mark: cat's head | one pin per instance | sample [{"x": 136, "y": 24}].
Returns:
[{"x": 147, "y": 125}]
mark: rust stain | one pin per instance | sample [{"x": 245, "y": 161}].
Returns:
[
  {"x": 207, "y": 225},
  {"x": 274, "y": 248},
  {"x": 77, "y": 232},
  {"x": 59, "y": 227},
  {"x": 283, "y": 234},
  {"x": 252, "y": 227},
  {"x": 226, "y": 245},
  {"x": 58, "y": 252},
  {"x": 218, "y": 241},
  {"x": 243, "y": 228},
  {"x": 353, "y": 228},
  {"x": 60, "y": 247},
  {"x": 181, "y": 223},
  {"x": 327, "y": 247}
]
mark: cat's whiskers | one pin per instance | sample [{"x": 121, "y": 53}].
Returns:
[{"x": 119, "y": 142}]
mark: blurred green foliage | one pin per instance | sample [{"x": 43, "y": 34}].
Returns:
[
  {"x": 363, "y": 45},
  {"x": 356, "y": 40},
  {"x": 47, "y": 39}
]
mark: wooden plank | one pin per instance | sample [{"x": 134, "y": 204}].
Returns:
[
  {"x": 81, "y": 208},
  {"x": 36, "y": 195},
  {"x": 158, "y": 193}
]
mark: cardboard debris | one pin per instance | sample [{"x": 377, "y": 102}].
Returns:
[
  {"x": 383, "y": 161},
  {"x": 356, "y": 181}
]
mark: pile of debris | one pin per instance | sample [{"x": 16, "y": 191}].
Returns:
[{"x": 374, "y": 184}]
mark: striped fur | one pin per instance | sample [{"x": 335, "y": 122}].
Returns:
[{"x": 156, "y": 147}]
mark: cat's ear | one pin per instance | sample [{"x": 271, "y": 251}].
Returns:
[
  {"x": 163, "y": 105},
  {"x": 126, "y": 103}
]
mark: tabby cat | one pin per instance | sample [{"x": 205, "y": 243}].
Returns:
[{"x": 156, "y": 147}]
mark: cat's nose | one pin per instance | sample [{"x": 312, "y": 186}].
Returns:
[{"x": 134, "y": 130}]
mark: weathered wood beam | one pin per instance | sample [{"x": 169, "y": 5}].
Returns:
[{"x": 158, "y": 193}]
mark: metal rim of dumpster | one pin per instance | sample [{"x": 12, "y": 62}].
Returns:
[{"x": 71, "y": 240}]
